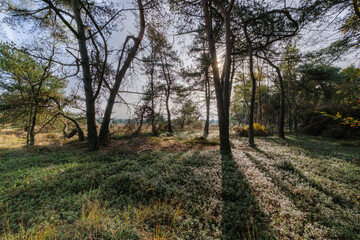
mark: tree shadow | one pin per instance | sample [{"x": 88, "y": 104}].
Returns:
[
  {"x": 242, "y": 217},
  {"x": 310, "y": 206},
  {"x": 288, "y": 166},
  {"x": 319, "y": 147}
]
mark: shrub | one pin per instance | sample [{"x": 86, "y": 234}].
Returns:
[
  {"x": 320, "y": 121},
  {"x": 335, "y": 131},
  {"x": 259, "y": 130}
]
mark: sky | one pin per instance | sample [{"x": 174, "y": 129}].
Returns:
[{"x": 312, "y": 38}]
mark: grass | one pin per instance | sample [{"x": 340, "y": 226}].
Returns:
[
  {"x": 69, "y": 193},
  {"x": 309, "y": 185},
  {"x": 299, "y": 188}
]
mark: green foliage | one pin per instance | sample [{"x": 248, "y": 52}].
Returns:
[
  {"x": 25, "y": 84},
  {"x": 188, "y": 114},
  {"x": 318, "y": 82}
]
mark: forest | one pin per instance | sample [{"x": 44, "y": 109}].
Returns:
[{"x": 179, "y": 119}]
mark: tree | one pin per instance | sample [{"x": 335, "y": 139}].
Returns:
[
  {"x": 152, "y": 91},
  {"x": 200, "y": 77},
  {"x": 187, "y": 114},
  {"x": 318, "y": 82},
  {"x": 222, "y": 82},
  {"x": 93, "y": 23},
  {"x": 168, "y": 63},
  {"x": 27, "y": 87},
  {"x": 290, "y": 60},
  {"x": 263, "y": 29},
  {"x": 123, "y": 66}
]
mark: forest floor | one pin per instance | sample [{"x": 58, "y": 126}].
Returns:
[{"x": 180, "y": 187}]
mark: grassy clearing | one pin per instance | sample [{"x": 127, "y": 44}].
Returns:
[
  {"x": 67, "y": 193},
  {"x": 179, "y": 187}
]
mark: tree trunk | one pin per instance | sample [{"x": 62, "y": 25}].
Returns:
[
  {"x": 253, "y": 89},
  {"x": 167, "y": 76},
  {"x": 104, "y": 130},
  {"x": 169, "y": 127},
  {"x": 222, "y": 85},
  {"x": 207, "y": 99},
  {"x": 153, "y": 117},
  {"x": 281, "y": 133},
  {"x": 252, "y": 105},
  {"x": 32, "y": 127},
  {"x": 79, "y": 130},
  {"x": 141, "y": 121},
  {"x": 87, "y": 80}
]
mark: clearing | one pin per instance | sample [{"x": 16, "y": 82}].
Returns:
[{"x": 180, "y": 187}]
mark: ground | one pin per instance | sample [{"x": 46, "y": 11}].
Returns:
[{"x": 180, "y": 187}]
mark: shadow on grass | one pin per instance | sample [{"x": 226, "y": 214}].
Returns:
[
  {"x": 242, "y": 217},
  {"x": 337, "y": 199},
  {"x": 288, "y": 166},
  {"x": 341, "y": 230},
  {"x": 318, "y": 147}
]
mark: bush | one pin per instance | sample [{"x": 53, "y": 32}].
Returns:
[
  {"x": 317, "y": 124},
  {"x": 335, "y": 131},
  {"x": 259, "y": 130}
]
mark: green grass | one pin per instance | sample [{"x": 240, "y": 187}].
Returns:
[
  {"x": 49, "y": 189},
  {"x": 302, "y": 187}
]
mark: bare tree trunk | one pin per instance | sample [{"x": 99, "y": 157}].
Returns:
[
  {"x": 222, "y": 85},
  {"x": 87, "y": 80},
  {"x": 260, "y": 103},
  {"x": 252, "y": 104},
  {"x": 253, "y": 89},
  {"x": 167, "y": 76},
  {"x": 207, "y": 99},
  {"x": 79, "y": 130},
  {"x": 141, "y": 122},
  {"x": 182, "y": 123},
  {"x": 169, "y": 127},
  {"x": 32, "y": 127},
  {"x": 153, "y": 117},
  {"x": 294, "y": 110},
  {"x": 104, "y": 130},
  {"x": 281, "y": 133}
]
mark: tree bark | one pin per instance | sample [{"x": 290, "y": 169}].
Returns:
[
  {"x": 281, "y": 133},
  {"x": 79, "y": 130},
  {"x": 207, "y": 99},
  {"x": 32, "y": 127},
  {"x": 222, "y": 85},
  {"x": 167, "y": 76},
  {"x": 169, "y": 127},
  {"x": 153, "y": 117},
  {"x": 253, "y": 88},
  {"x": 141, "y": 121},
  {"x": 87, "y": 79}
]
